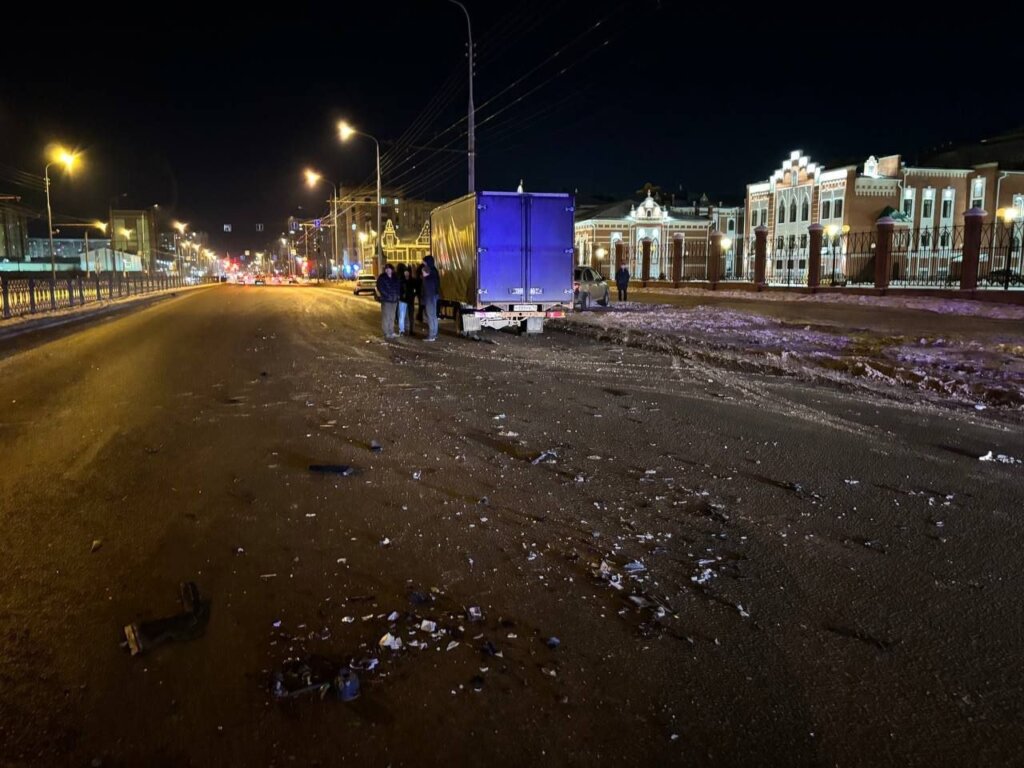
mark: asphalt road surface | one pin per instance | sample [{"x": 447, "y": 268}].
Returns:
[{"x": 740, "y": 569}]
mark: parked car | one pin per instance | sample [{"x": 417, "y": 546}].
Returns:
[
  {"x": 589, "y": 286},
  {"x": 366, "y": 284},
  {"x": 998, "y": 277}
]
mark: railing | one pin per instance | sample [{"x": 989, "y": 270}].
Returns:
[
  {"x": 999, "y": 262},
  {"x": 30, "y": 295}
]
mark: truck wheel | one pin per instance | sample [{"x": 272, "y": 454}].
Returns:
[
  {"x": 604, "y": 302},
  {"x": 584, "y": 302}
]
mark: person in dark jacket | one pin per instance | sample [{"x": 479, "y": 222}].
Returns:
[
  {"x": 409, "y": 287},
  {"x": 389, "y": 292},
  {"x": 430, "y": 292},
  {"x": 622, "y": 281}
]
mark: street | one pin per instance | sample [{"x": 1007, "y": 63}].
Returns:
[{"x": 739, "y": 568}]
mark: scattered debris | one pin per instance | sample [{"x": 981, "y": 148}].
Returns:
[
  {"x": 553, "y": 642},
  {"x": 390, "y": 641},
  {"x": 96, "y": 544},
  {"x": 187, "y": 625},
  {"x": 332, "y": 469},
  {"x": 1002, "y": 458},
  {"x": 547, "y": 455},
  {"x": 375, "y": 446}
]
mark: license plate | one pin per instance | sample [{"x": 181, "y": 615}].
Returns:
[{"x": 525, "y": 307}]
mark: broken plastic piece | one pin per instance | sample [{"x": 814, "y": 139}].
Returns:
[
  {"x": 332, "y": 469},
  {"x": 553, "y": 642},
  {"x": 188, "y": 625},
  {"x": 545, "y": 456},
  {"x": 375, "y": 446},
  {"x": 474, "y": 613},
  {"x": 346, "y": 684}
]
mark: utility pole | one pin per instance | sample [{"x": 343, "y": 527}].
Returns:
[{"x": 472, "y": 110}]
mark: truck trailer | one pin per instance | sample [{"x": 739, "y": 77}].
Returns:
[{"x": 505, "y": 259}]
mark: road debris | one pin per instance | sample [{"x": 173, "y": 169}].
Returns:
[
  {"x": 332, "y": 469},
  {"x": 187, "y": 625}
]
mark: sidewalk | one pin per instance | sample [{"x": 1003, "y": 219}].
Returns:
[
  {"x": 890, "y": 315},
  {"x": 16, "y": 326},
  {"x": 946, "y": 351}
]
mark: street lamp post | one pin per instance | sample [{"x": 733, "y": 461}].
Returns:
[
  {"x": 67, "y": 159},
  {"x": 345, "y": 132},
  {"x": 472, "y": 111},
  {"x": 312, "y": 177},
  {"x": 1008, "y": 215}
]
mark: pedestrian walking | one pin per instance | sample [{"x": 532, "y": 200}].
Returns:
[
  {"x": 389, "y": 292},
  {"x": 622, "y": 281},
  {"x": 430, "y": 292},
  {"x": 409, "y": 289}
]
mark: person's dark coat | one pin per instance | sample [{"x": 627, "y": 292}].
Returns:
[
  {"x": 388, "y": 288},
  {"x": 431, "y": 284},
  {"x": 409, "y": 285},
  {"x": 622, "y": 277}
]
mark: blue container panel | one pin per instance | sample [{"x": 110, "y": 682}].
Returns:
[
  {"x": 502, "y": 274},
  {"x": 549, "y": 266}
]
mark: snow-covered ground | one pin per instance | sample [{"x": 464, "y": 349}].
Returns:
[
  {"x": 923, "y": 303},
  {"x": 981, "y": 372}
]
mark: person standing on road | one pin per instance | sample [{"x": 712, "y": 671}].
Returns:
[
  {"x": 622, "y": 281},
  {"x": 409, "y": 288},
  {"x": 430, "y": 292},
  {"x": 389, "y": 293}
]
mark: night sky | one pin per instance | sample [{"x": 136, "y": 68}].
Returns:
[{"x": 215, "y": 118}]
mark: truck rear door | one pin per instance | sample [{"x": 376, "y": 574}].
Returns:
[
  {"x": 502, "y": 249},
  {"x": 549, "y": 221}
]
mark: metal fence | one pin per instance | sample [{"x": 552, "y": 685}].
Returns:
[
  {"x": 927, "y": 257},
  {"x": 999, "y": 262},
  {"x": 29, "y": 295}
]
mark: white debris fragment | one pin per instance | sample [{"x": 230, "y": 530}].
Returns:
[
  {"x": 390, "y": 641},
  {"x": 1002, "y": 458},
  {"x": 852, "y": 482},
  {"x": 704, "y": 576},
  {"x": 428, "y": 626}
]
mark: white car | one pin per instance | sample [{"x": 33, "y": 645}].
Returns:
[
  {"x": 366, "y": 284},
  {"x": 589, "y": 287}
]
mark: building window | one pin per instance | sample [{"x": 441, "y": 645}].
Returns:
[
  {"x": 826, "y": 209},
  {"x": 753, "y": 219},
  {"x": 780, "y": 244},
  {"x": 926, "y": 209},
  {"x": 803, "y": 241},
  {"x": 926, "y": 238},
  {"x": 944, "y": 238},
  {"x": 764, "y": 217},
  {"x": 908, "y": 207},
  {"x": 978, "y": 193},
  {"x": 837, "y": 209},
  {"x": 732, "y": 225},
  {"x": 947, "y": 209},
  {"x": 778, "y": 263},
  {"x": 805, "y": 211},
  {"x": 792, "y": 242},
  {"x": 803, "y": 263},
  {"x": 792, "y": 210},
  {"x": 782, "y": 214}
]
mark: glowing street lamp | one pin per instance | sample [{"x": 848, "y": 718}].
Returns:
[
  {"x": 61, "y": 156},
  {"x": 312, "y": 179},
  {"x": 1008, "y": 215},
  {"x": 346, "y": 132}
]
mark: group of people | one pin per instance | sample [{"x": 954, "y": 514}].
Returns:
[{"x": 398, "y": 289}]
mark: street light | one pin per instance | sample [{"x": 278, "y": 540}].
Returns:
[
  {"x": 67, "y": 159},
  {"x": 1008, "y": 215},
  {"x": 100, "y": 225},
  {"x": 312, "y": 178},
  {"x": 346, "y": 132},
  {"x": 472, "y": 111}
]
